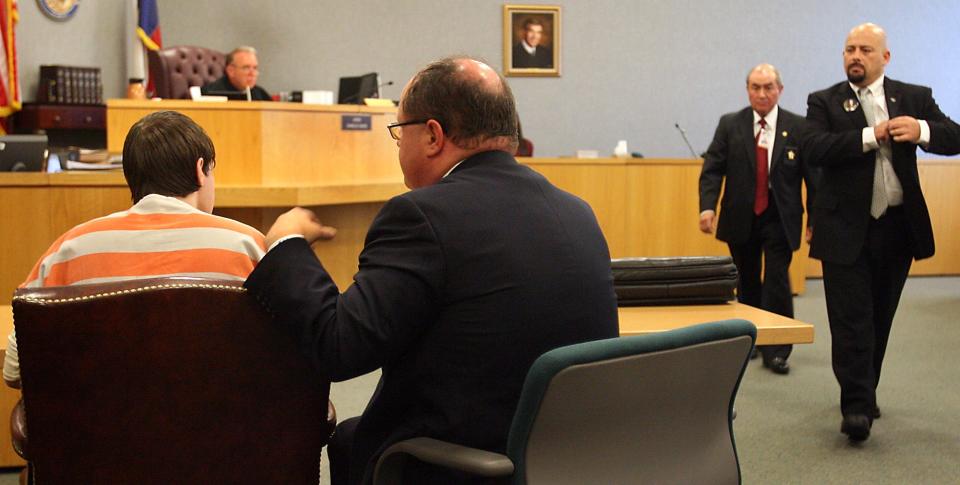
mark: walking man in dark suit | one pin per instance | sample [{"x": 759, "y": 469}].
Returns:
[
  {"x": 870, "y": 219},
  {"x": 757, "y": 149},
  {"x": 463, "y": 281}
]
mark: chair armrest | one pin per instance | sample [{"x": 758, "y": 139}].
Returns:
[
  {"x": 484, "y": 463},
  {"x": 18, "y": 430}
]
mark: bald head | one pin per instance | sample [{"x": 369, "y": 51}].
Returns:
[
  {"x": 475, "y": 71},
  {"x": 870, "y": 30},
  {"x": 469, "y": 99},
  {"x": 865, "y": 54}
]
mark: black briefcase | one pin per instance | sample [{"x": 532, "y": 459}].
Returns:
[{"x": 693, "y": 280}]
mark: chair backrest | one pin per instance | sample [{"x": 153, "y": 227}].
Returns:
[
  {"x": 167, "y": 380},
  {"x": 175, "y": 69},
  {"x": 646, "y": 409},
  {"x": 525, "y": 148}
]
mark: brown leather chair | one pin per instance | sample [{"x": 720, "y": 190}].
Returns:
[
  {"x": 525, "y": 148},
  {"x": 167, "y": 380},
  {"x": 175, "y": 69}
]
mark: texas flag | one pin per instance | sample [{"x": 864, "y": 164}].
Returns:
[
  {"x": 9, "y": 77},
  {"x": 142, "y": 34},
  {"x": 148, "y": 25}
]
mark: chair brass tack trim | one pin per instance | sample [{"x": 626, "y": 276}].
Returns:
[{"x": 44, "y": 301}]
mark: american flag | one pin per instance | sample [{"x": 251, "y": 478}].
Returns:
[{"x": 9, "y": 76}]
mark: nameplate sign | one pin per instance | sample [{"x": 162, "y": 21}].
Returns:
[{"x": 355, "y": 122}]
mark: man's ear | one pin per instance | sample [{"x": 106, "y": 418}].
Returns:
[
  {"x": 437, "y": 137},
  {"x": 201, "y": 177}
]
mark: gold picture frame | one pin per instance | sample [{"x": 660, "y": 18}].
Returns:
[{"x": 524, "y": 25}]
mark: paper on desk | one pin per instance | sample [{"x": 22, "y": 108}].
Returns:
[{"x": 113, "y": 162}]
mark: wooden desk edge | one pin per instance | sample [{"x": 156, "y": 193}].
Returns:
[
  {"x": 772, "y": 329},
  {"x": 800, "y": 334},
  {"x": 232, "y": 196},
  {"x": 176, "y": 104}
]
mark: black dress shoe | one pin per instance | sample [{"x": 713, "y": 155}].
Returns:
[
  {"x": 856, "y": 427},
  {"x": 754, "y": 353},
  {"x": 875, "y": 413},
  {"x": 778, "y": 365}
]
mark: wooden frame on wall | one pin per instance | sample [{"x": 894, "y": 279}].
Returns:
[{"x": 524, "y": 25}]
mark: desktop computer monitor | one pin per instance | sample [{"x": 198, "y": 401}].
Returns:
[
  {"x": 354, "y": 89},
  {"x": 23, "y": 153}
]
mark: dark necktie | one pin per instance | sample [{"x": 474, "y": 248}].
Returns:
[{"x": 760, "y": 201}]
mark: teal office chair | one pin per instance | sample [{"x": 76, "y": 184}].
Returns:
[{"x": 653, "y": 408}]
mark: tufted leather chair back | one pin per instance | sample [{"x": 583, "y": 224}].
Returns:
[
  {"x": 166, "y": 380},
  {"x": 175, "y": 69}
]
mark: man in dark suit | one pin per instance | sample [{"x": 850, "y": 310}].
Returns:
[
  {"x": 757, "y": 149},
  {"x": 870, "y": 219},
  {"x": 240, "y": 73},
  {"x": 528, "y": 52},
  {"x": 463, "y": 281}
]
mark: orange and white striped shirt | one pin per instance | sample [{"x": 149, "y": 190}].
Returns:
[{"x": 158, "y": 236}]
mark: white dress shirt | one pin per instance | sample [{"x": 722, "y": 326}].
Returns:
[{"x": 769, "y": 134}]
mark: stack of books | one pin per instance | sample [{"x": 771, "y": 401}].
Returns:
[
  {"x": 86, "y": 159},
  {"x": 70, "y": 85}
]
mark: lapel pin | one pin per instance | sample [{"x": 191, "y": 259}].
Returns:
[
  {"x": 850, "y": 105},
  {"x": 791, "y": 155}
]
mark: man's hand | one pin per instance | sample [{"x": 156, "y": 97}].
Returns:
[
  {"x": 299, "y": 221},
  {"x": 904, "y": 129},
  {"x": 882, "y": 131},
  {"x": 706, "y": 222},
  {"x": 808, "y": 235}
]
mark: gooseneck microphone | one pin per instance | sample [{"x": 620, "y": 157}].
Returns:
[{"x": 683, "y": 133}]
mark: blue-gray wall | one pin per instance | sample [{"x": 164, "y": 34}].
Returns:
[{"x": 631, "y": 69}]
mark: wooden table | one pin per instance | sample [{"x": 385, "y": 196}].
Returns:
[{"x": 772, "y": 329}]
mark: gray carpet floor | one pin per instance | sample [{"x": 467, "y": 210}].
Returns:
[{"x": 788, "y": 427}]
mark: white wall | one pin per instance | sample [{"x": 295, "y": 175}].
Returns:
[{"x": 631, "y": 69}]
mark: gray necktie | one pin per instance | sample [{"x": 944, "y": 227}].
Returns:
[{"x": 878, "y": 202}]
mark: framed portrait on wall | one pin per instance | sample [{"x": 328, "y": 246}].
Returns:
[{"x": 531, "y": 40}]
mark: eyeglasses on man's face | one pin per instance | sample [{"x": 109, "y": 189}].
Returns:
[{"x": 394, "y": 128}]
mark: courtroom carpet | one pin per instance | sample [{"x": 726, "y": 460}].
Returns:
[{"x": 788, "y": 427}]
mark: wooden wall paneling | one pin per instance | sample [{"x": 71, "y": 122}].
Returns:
[
  {"x": 601, "y": 185},
  {"x": 939, "y": 180},
  {"x": 307, "y": 146}
]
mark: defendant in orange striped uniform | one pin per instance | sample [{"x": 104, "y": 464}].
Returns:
[{"x": 168, "y": 161}]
